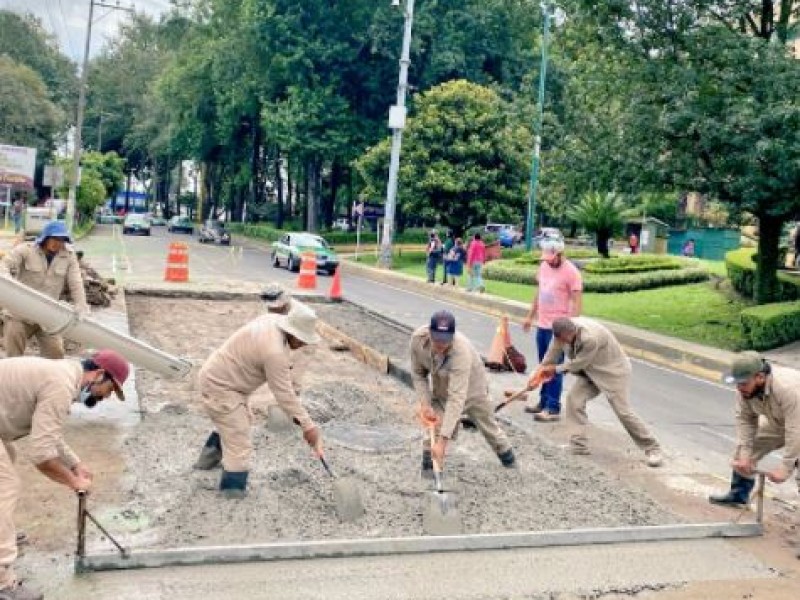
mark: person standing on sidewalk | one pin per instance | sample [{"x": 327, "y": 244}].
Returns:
[
  {"x": 476, "y": 256},
  {"x": 448, "y": 245},
  {"x": 559, "y": 294},
  {"x": 600, "y": 366},
  {"x": 17, "y": 212},
  {"x": 450, "y": 379},
  {"x": 48, "y": 266},
  {"x": 256, "y": 354},
  {"x": 433, "y": 254},
  {"x": 772, "y": 392},
  {"x": 35, "y": 399}
]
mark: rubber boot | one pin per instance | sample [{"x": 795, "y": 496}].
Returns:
[
  {"x": 427, "y": 465},
  {"x": 211, "y": 455},
  {"x": 507, "y": 458},
  {"x": 738, "y": 495},
  {"x": 17, "y": 591},
  {"x": 233, "y": 484}
]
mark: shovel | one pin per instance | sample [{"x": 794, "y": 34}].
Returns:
[
  {"x": 346, "y": 494},
  {"x": 515, "y": 396},
  {"x": 537, "y": 379},
  {"x": 440, "y": 516}
]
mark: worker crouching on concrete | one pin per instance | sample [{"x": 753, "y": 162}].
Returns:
[
  {"x": 257, "y": 353},
  {"x": 35, "y": 399},
  {"x": 600, "y": 366},
  {"x": 771, "y": 392},
  {"x": 450, "y": 378},
  {"x": 48, "y": 266}
]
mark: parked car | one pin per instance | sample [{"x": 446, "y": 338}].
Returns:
[
  {"x": 180, "y": 224},
  {"x": 213, "y": 232},
  {"x": 342, "y": 224},
  {"x": 136, "y": 224},
  {"x": 286, "y": 252},
  {"x": 158, "y": 221},
  {"x": 507, "y": 234}
]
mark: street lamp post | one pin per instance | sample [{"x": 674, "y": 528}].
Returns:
[
  {"x": 549, "y": 13},
  {"x": 397, "y": 121}
]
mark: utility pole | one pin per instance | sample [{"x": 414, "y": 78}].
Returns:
[
  {"x": 397, "y": 122},
  {"x": 76, "y": 151}
]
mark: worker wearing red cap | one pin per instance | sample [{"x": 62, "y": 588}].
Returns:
[{"x": 35, "y": 398}]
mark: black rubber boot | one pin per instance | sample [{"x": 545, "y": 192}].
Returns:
[
  {"x": 211, "y": 455},
  {"x": 233, "y": 484},
  {"x": 507, "y": 458},
  {"x": 738, "y": 495},
  {"x": 468, "y": 423},
  {"x": 427, "y": 464}
]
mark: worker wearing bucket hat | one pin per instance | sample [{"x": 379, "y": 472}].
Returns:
[
  {"x": 767, "y": 418},
  {"x": 256, "y": 354},
  {"x": 48, "y": 266},
  {"x": 35, "y": 400}
]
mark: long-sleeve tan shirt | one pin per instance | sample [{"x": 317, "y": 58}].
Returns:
[
  {"x": 255, "y": 354},
  {"x": 595, "y": 353},
  {"x": 455, "y": 379},
  {"x": 780, "y": 405},
  {"x": 35, "y": 399},
  {"x": 28, "y": 264}
]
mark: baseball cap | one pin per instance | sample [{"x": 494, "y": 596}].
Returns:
[
  {"x": 744, "y": 366},
  {"x": 443, "y": 326},
  {"x": 115, "y": 366}
]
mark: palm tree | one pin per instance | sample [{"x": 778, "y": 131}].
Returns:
[{"x": 601, "y": 214}]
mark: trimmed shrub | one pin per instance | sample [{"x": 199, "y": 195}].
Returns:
[
  {"x": 771, "y": 325},
  {"x": 534, "y": 257},
  {"x": 741, "y": 268},
  {"x": 511, "y": 271},
  {"x": 633, "y": 264}
]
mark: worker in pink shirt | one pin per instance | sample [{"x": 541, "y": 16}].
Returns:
[
  {"x": 476, "y": 256},
  {"x": 559, "y": 294}
]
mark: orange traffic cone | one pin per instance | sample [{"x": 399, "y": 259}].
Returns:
[
  {"x": 501, "y": 341},
  {"x": 307, "y": 279},
  {"x": 335, "y": 293},
  {"x": 177, "y": 262}
]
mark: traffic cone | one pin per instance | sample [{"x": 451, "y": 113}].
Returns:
[
  {"x": 307, "y": 278},
  {"x": 335, "y": 293},
  {"x": 177, "y": 263},
  {"x": 501, "y": 341}
]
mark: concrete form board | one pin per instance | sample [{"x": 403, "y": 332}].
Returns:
[{"x": 411, "y": 545}]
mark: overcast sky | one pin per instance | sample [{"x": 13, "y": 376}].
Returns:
[{"x": 67, "y": 20}]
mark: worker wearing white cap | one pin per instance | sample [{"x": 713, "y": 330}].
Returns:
[
  {"x": 48, "y": 266},
  {"x": 35, "y": 399},
  {"x": 256, "y": 354}
]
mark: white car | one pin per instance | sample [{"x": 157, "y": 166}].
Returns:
[{"x": 342, "y": 224}]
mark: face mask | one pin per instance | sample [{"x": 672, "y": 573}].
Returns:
[{"x": 86, "y": 398}]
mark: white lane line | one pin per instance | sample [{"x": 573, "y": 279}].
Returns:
[
  {"x": 724, "y": 436},
  {"x": 688, "y": 376}
]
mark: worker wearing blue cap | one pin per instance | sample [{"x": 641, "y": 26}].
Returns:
[{"x": 47, "y": 265}]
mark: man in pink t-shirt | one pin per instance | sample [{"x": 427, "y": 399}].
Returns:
[{"x": 559, "y": 295}]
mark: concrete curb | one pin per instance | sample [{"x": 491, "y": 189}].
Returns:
[
  {"x": 205, "y": 291},
  {"x": 687, "y": 357},
  {"x": 411, "y": 545}
]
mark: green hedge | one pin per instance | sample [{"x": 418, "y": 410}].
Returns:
[
  {"x": 534, "y": 257},
  {"x": 771, "y": 325},
  {"x": 259, "y": 231},
  {"x": 742, "y": 274},
  {"x": 633, "y": 264},
  {"x": 511, "y": 271}
]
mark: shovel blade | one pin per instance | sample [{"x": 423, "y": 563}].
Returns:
[
  {"x": 347, "y": 496},
  {"x": 441, "y": 515}
]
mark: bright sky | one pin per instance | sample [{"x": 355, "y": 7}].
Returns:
[{"x": 67, "y": 19}]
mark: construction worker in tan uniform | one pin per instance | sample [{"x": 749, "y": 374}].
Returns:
[
  {"x": 35, "y": 399},
  {"x": 767, "y": 419},
  {"x": 449, "y": 377},
  {"x": 47, "y": 266},
  {"x": 278, "y": 300},
  {"x": 256, "y": 354},
  {"x": 600, "y": 366}
]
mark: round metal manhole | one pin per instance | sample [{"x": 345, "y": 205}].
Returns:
[{"x": 372, "y": 439}]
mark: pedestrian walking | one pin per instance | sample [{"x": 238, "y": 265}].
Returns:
[
  {"x": 559, "y": 294},
  {"x": 256, "y": 354},
  {"x": 449, "y": 244},
  {"x": 633, "y": 243},
  {"x": 455, "y": 263},
  {"x": 449, "y": 378},
  {"x": 476, "y": 257},
  {"x": 600, "y": 366},
  {"x": 49, "y": 266},
  {"x": 17, "y": 213},
  {"x": 35, "y": 399},
  {"x": 433, "y": 253},
  {"x": 767, "y": 419}
]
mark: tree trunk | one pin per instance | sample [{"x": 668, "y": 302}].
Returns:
[
  {"x": 279, "y": 214},
  {"x": 329, "y": 212},
  {"x": 290, "y": 192},
  {"x": 767, "y": 288},
  {"x": 602, "y": 242},
  {"x": 312, "y": 194}
]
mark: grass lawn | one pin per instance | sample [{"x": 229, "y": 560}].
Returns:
[{"x": 697, "y": 312}]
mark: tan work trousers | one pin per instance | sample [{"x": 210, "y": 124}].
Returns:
[
  {"x": 9, "y": 492},
  {"x": 481, "y": 411},
  {"x": 16, "y": 336},
  {"x": 232, "y": 419},
  {"x": 583, "y": 390}
]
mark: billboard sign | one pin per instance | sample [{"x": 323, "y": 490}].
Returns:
[{"x": 17, "y": 165}]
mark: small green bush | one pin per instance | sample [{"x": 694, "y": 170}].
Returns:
[
  {"x": 269, "y": 233},
  {"x": 534, "y": 257},
  {"x": 633, "y": 264},
  {"x": 771, "y": 325},
  {"x": 741, "y": 268}
]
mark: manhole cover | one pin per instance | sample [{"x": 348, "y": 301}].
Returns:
[{"x": 365, "y": 438}]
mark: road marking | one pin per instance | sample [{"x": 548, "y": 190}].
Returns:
[
  {"x": 687, "y": 375},
  {"x": 724, "y": 436}
]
